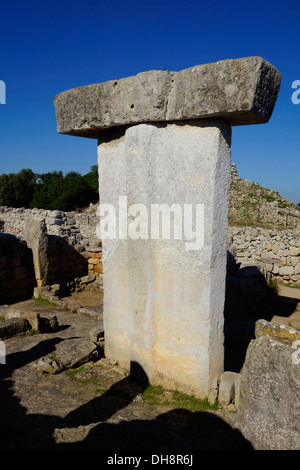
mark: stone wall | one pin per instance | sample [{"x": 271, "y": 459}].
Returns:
[
  {"x": 63, "y": 224},
  {"x": 16, "y": 269},
  {"x": 87, "y": 220},
  {"x": 278, "y": 251}
]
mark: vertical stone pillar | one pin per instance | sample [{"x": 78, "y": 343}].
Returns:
[
  {"x": 164, "y": 145},
  {"x": 164, "y": 298},
  {"x": 35, "y": 235}
]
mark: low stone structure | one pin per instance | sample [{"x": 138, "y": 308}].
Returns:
[
  {"x": 164, "y": 139},
  {"x": 277, "y": 251},
  {"x": 63, "y": 224}
]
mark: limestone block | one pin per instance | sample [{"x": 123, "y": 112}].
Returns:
[
  {"x": 269, "y": 408},
  {"x": 13, "y": 326},
  {"x": 286, "y": 270},
  {"x": 163, "y": 303},
  {"x": 294, "y": 250},
  {"x": 240, "y": 91},
  {"x": 297, "y": 268},
  {"x": 227, "y": 388},
  {"x": 75, "y": 352},
  {"x": 35, "y": 234}
]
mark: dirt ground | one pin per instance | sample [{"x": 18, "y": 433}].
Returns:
[{"x": 103, "y": 409}]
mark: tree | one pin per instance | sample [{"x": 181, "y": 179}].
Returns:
[
  {"x": 93, "y": 181},
  {"x": 65, "y": 193},
  {"x": 16, "y": 189},
  {"x": 48, "y": 190}
]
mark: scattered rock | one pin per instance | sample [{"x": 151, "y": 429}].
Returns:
[
  {"x": 91, "y": 311},
  {"x": 139, "y": 398},
  {"x": 75, "y": 352},
  {"x": 97, "y": 334},
  {"x": 227, "y": 388},
  {"x": 49, "y": 324},
  {"x": 48, "y": 365},
  {"x": 13, "y": 327}
]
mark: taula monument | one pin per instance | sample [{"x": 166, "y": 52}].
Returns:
[{"x": 164, "y": 150}]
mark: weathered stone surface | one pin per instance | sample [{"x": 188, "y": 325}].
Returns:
[
  {"x": 96, "y": 333},
  {"x": 227, "y": 388},
  {"x": 269, "y": 407},
  {"x": 74, "y": 352},
  {"x": 163, "y": 303},
  {"x": 13, "y": 327},
  {"x": 48, "y": 365},
  {"x": 240, "y": 91},
  {"x": 35, "y": 234},
  {"x": 263, "y": 328},
  {"x": 269, "y": 249}
]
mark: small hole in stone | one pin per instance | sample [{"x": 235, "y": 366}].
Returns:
[
  {"x": 132, "y": 106},
  {"x": 116, "y": 83}
]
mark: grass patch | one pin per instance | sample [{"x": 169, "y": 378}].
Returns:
[
  {"x": 2, "y": 319},
  {"x": 273, "y": 286},
  {"x": 42, "y": 301},
  {"x": 89, "y": 381},
  {"x": 293, "y": 287},
  {"x": 72, "y": 372},
  {"x": 156, "y": 395}
]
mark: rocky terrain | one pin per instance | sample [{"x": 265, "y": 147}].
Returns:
[
  {"x": 252, "y": 205},
  {"x": 92, "y": 403}
]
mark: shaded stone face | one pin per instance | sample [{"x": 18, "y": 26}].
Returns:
[{"x": 240, "y": 91}]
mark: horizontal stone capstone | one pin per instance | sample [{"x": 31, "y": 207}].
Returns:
[{"x": 240, "y": 91}]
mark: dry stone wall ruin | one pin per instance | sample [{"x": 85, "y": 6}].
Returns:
[
  {"x": 277, "y": 251},
  {"x": 57, "y": 251}
]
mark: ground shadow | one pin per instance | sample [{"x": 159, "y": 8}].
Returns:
[
  {"x": 65, "y": 263},
  {"x": 248, "y": 298},
  {"x": 175, "y": 430}
]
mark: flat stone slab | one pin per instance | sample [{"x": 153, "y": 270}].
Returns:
[
  {"x": 75, "y": 352},
  {"x": 240, "y": 91}
]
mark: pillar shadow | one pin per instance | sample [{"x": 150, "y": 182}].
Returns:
[
  {"x": 248, "y": 298},
  {"x": 175, "y": 430}
]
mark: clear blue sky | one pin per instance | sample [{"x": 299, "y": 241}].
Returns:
[{"x": 51, "y": 46}]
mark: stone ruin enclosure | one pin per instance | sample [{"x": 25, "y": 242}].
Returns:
[
  {"x": 42, "y": 248},
  {"x": 164, "y": 138}
]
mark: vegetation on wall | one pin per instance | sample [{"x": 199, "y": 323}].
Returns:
[{"x": 51, "y": 190}]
